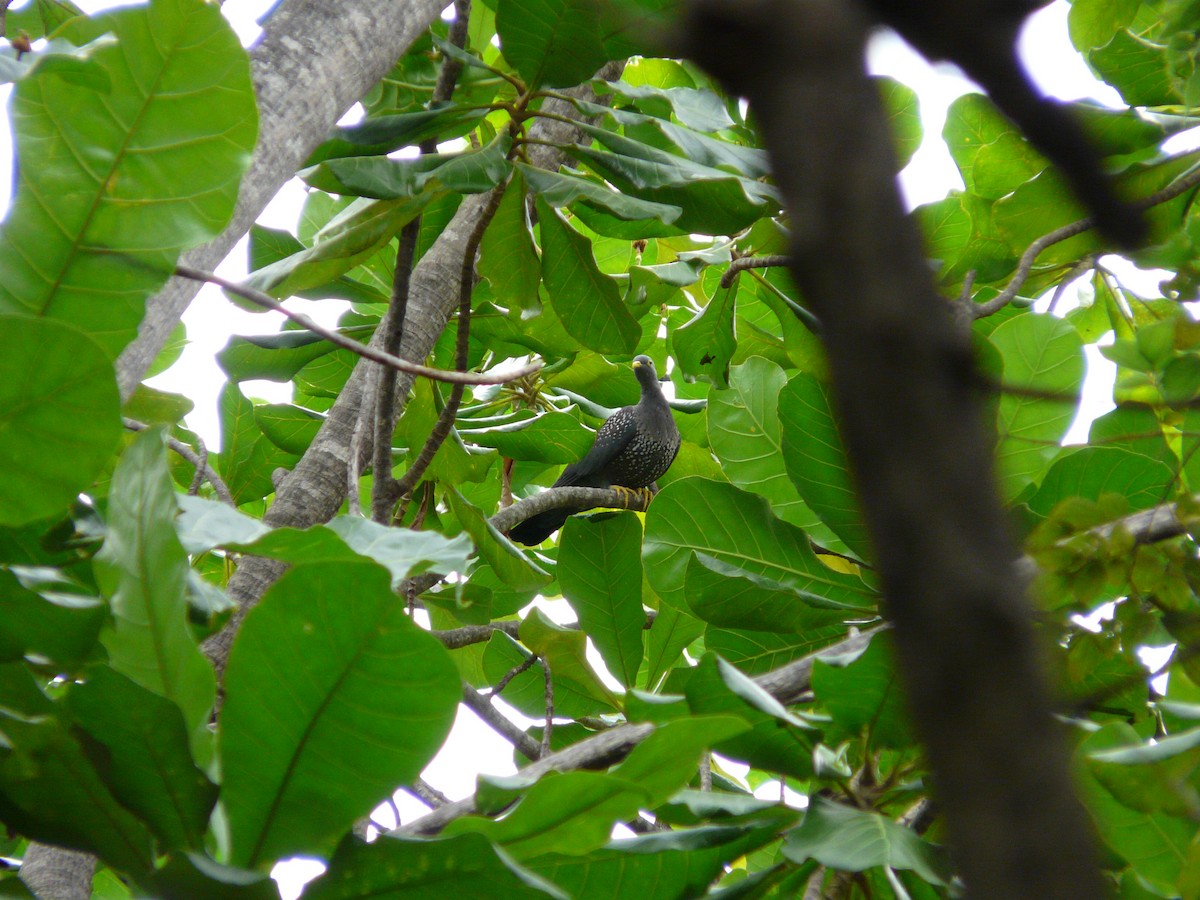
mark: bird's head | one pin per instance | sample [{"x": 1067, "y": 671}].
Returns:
[{"x": 643, "y": 368}]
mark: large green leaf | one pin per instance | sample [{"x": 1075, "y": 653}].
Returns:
[
  {"x": 989, "y": 150},
  {"x": 512, "y": 566},
  {"x": 1041, "y": 353},
  {"x": 704, "y": 345},
  {"x": 507, "y": 255},
  {"x": 553, "y": 437},
  {"x": 380, "y": 135},
  {"x": 114, "y": 184},
  {"x": 679, "y": 863},
  {"x": 333, "y": 697},
  {"x": 569, "y": 812},
  {"x": 47, "y": 620},
  {"x": 247, "y": 457},
  {"x": 816, "y": 460},
  {"x": 142, "y": 569},
  {"x": 695, "y": 515},
  {"x": 556, "y": 43},
  {"x": 586, "y": 300},
  {"x": 673, "y": 630},
  {"x": 148, "y": 765},
  {"x": 59, "y": 416},
  {"x": 864, "y": 692},
  {"x": 600, "y": 570},
  {"x": 562, "y": 189},
  {"x": 467, "y": 865},
  {"x": 744, "y": 434},
  {"x": 565, "y": 651},
  {"x": 1089, "y": 472},
  {"x": 50, "y": 791},
  {"x": 353, "y": 236},
  {"x": 853, "y": 840}
]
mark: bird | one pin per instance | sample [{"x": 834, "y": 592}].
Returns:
[{"x": 634, "y": 448}]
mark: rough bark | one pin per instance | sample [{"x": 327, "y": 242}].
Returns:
[
  {"x": 915, "y": 434},
  {"x": 315, "y": 59},
  {"x": 53, "y": 873}
]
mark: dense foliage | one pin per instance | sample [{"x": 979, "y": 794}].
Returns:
[{"x": 133, "y": 129}]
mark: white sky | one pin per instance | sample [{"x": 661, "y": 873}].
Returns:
[{"x": 212, "y": 319}]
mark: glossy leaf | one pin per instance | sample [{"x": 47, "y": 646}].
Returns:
[
  {"x": 142, "y": 570},
  {"x": 179, "y": 102},
  {"x": 695, "y": 515},
  {"x": 587, "y": 301},
  {"x": 552, "y": 43},
  {"x": 600, "y": 570},
  {"x": 333, "y": 697},
  {"x": 59, "y": 419}
]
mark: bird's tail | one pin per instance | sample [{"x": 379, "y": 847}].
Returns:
[{"x": 537, "y": 528}]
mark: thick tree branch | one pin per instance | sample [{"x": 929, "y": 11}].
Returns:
[
  {"x": 500, "y": 723},
  {"x": 563, "y": 497},
  {"x": 916, "y": 439}
]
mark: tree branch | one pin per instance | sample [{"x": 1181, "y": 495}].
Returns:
[
  {"x": 366, "y": 351},
  {"x": 201, "y": 464},
  {"x": 500, "y": 723}
]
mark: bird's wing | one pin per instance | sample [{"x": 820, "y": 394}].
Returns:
[{"x": 611, "y": 440}]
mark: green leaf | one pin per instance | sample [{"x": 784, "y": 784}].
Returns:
[
  {"x": 560, "y": 189},
  {"x": 744, "y": 434},
  {"x": 725, "y": 595},
  {"x": 989, "y": 150},
  {"x": 188, "y": 875},
  {"x": 667, "y": 760},
  {"x": 1155, "y": 845},
  {"x": 1092, "y": 23},
  {"x": 679, "y": 863},
  {"x": 59, "y": 417},
  {"x": 565, "y": 650},
  {"x": 512, "y": 566},
  {"x": 1137, "y": 68},
  {"x": 854, "y": 840},
  {"x": 142, "y": 569},
  {"x": 816, "y": 460},
  {"x": 695, "y": 515},
  {"x": 704, "y": 345},
  {"x": 1153, "y": 777},
  {"x": 148, "y": 764},
  {"x": 507, "y": 255},
  {"x": 333, "y": 697},
  {"x": 271, "y": 357},
  {"x": 247, "y": 457},
  {"x": 774, "y": 742},
  {"x": 57, "y": 625},
  {"x": 568, "y": 812},
  {"x": 904, "y": 116},
  {"x": 713, "y": 201},
  {"x": 865, "y": 693},
  {"x": 417, "y": 180},
  {"x": 553, "y": 437},
  {"x": 526, "y": 693},
  {"x": 49, "y": 791},
  {"x": 600, "y": 570},
  {"x": 96, "y": 224},
  {"x": 673, "y": 630},
  {"x": 380, "y": 135},
  {"x": 699, "y": 109},
  {"x": 551, "y": 43},
  {"x": 1090, "y": 472},
  {"x": 423, "y": 869},
  {"x": 1042, "y": 353},
  {"x": 353, "y": 236},
  {"x": 587, "y": 302}
]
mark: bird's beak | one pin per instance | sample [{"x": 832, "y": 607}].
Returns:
[{"x": 636, "y": 364}]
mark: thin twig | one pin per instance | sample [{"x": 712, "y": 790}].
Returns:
[
  {"x": 466, "y": 285},
  {"x": 1179, "y": 186},
  {"x": 383, "y": 486},
  {"x": 428, "y": 794},
  {"x": 524, "y": 666},
  {"x": 498, "y": 722},
  {"x": 549, "y": 686},
  {"x": 201, "y": 464},
  {"x": 365, "y": 350}
]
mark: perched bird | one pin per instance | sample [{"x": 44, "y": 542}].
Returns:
[{"x": 633, "y": 449}]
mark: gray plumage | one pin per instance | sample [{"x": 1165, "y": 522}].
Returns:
[{"x": 633, "y": 449}]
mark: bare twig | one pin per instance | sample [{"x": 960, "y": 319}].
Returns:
[
  {"x": 428, "y": 794},
  {"x": 364, "y": 350},
  {"x": 524, "y": 666},
  {"x": 482, "y": 707},
  {"x": 455, "y": 638},
  {"x": 441, "y": 429},
  {"x": 549, "y": 685},
  {"x": 201, "y": 463}
]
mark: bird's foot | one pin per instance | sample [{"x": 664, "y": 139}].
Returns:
[{"x": 631, "y": 496}]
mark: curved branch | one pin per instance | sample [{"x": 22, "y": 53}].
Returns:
[
  {"x": 750, "y": 262},
  {"x": 1179, "y": 186},
  {"x": 366, "y": 351},
  {"x": 202, "y": 467}
]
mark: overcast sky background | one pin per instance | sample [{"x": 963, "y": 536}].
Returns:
[{"x": 212, "y": 319}]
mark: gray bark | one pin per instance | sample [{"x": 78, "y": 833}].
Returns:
[{"x": 53, "y": 873}]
